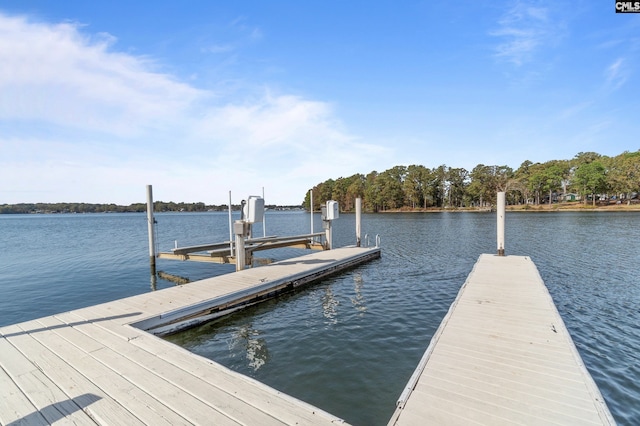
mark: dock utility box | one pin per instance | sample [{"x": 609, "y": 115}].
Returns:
[
  {"x": 332, "y": 210},
  {"x": 254, "y": 209}
]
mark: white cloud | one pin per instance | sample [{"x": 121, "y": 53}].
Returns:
[
  {"x": 219, "y": 48},
  {"x": 616, "y": 75},
  {"x": 524, "y": 30},
  {"x": 55, "y": 74},
  {"x": 574, "y": 110},
  {"x": 81, "y": 121}
]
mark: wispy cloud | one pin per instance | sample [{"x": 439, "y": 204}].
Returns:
[
  {"x": 523, "y": 30},
  {"x": 78, "y": 116},
  {"x": 219, "y": 48},
  {"x": 57, "y": 75},
  {"x": 242, "y": 25},
  {"x": 574, "y": 110},
  {"x": 616, "y": 75}
]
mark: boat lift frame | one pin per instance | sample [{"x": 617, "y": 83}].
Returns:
[{"x": 222, "y": 252}]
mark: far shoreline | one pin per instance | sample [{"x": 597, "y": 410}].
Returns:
[{"x": 526, "y": 208}]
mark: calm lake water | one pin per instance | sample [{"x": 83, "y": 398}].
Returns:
[{"x": 347, "y": 344}]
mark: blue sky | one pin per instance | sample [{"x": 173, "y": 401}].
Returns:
[{"x": 198, "y": 98}]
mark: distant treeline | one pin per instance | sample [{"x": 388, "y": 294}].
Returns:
[
  {"x": 588, "y": 177},
  {"x": 158, "y": 206}
]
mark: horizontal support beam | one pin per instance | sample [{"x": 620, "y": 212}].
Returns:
[
  {"x": 198, "y": 257},
  {"x": 221, "y": 253}
]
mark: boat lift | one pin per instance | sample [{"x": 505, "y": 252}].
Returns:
[
  {"x": 239, "y": 251},
  {"x": 222, "y": 252}
]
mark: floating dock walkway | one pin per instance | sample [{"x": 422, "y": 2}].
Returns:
[
  {"x": 502, "y": 356},
  {"x": 104, "y": 365}
]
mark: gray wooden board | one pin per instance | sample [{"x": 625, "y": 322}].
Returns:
[
  {"x": 16, "y": 406},
  {"x": 502, "y": 355},
  {"x": 103, "y": 409},
  {"x": 151, "y": 373}
]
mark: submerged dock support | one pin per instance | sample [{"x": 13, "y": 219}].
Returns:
[
  {"x": 150, "y": 226},
  {"x": 501, "y": 213}
]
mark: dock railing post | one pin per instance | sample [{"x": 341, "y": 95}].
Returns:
[
  {"x": 239, "y": 227},
  {"x": 358, "y": 220},
  {"x": 311, "y": 207},
  {"x": 150, "y": 227},
  {"x": 326, "y": 225},
  {"x": 230, "y": 229},
  {"x": 500, "y": 208}
]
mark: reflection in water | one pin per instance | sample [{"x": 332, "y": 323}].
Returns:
[
  {"x": 329, "y": 306},
  {"x": 255, "y": 348},
  {"x": 358, "y": 300}
]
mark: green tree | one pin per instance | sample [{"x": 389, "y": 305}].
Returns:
[
  {"x": 522, "y": 177},
  {"x": 372, "y": 197},
  {"x": 624, "y": 174},
  {"x": 591, "y": 179},
  {"x": 355, "y": 189},
  {"x": 414, "y": 185},
  {"x": 487, "y": 181},
  {"x": 439, "y": 185},
  {"x": 458, "y": 180},
  {"x": 391, "y": 191},
  {"x": 550, "y": 177}
]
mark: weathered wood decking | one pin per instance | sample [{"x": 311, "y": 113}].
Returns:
[
  {"x": 91, "y": 366},
  {"x": 502, "y": 355}
]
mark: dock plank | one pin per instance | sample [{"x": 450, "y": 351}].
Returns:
[
  {"x": 94, "y": 366},
  {"x": 279, "y": 405},
  {"x": 288, "y": 409},
  {"x": 17, "y": 405},
  {"x": 148, "y": 372},
  {"x": 75, "y": 385},
  {"x": 502, "y": 355}
]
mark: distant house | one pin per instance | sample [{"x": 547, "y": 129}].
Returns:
[{"x": 570, "y": 196}]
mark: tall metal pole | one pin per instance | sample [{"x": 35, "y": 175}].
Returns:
[
  {"x": 501, "y": 213},
  {"x": 230, "y": 228},
  {"x": 311, "y": 207},
  {"x": 358, "y": 220},
  {"x": 150, "y": 226},
  {"x": 264, "y": 219}
]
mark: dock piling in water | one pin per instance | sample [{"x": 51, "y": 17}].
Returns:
[
  {"x": 358, "y": 220},
  {"x": 501, "y": 213},
  {"x": 150, "y": 227}
]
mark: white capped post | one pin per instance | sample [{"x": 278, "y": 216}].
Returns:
[
  {"x": 311, "y": 207},
  {"x": 358, "y": 220},
  {"x": 501, "y": 219},
  {"x": 264, "y": 219},
  {"x": 230, "y": 228},
  {"x": 240, "y": 228},
  {"x": 150, "y": 226}
]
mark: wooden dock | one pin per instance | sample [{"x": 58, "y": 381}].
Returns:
[
  {"x": 104, "y": 365},
  {"x": 502, "y": 355}
]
